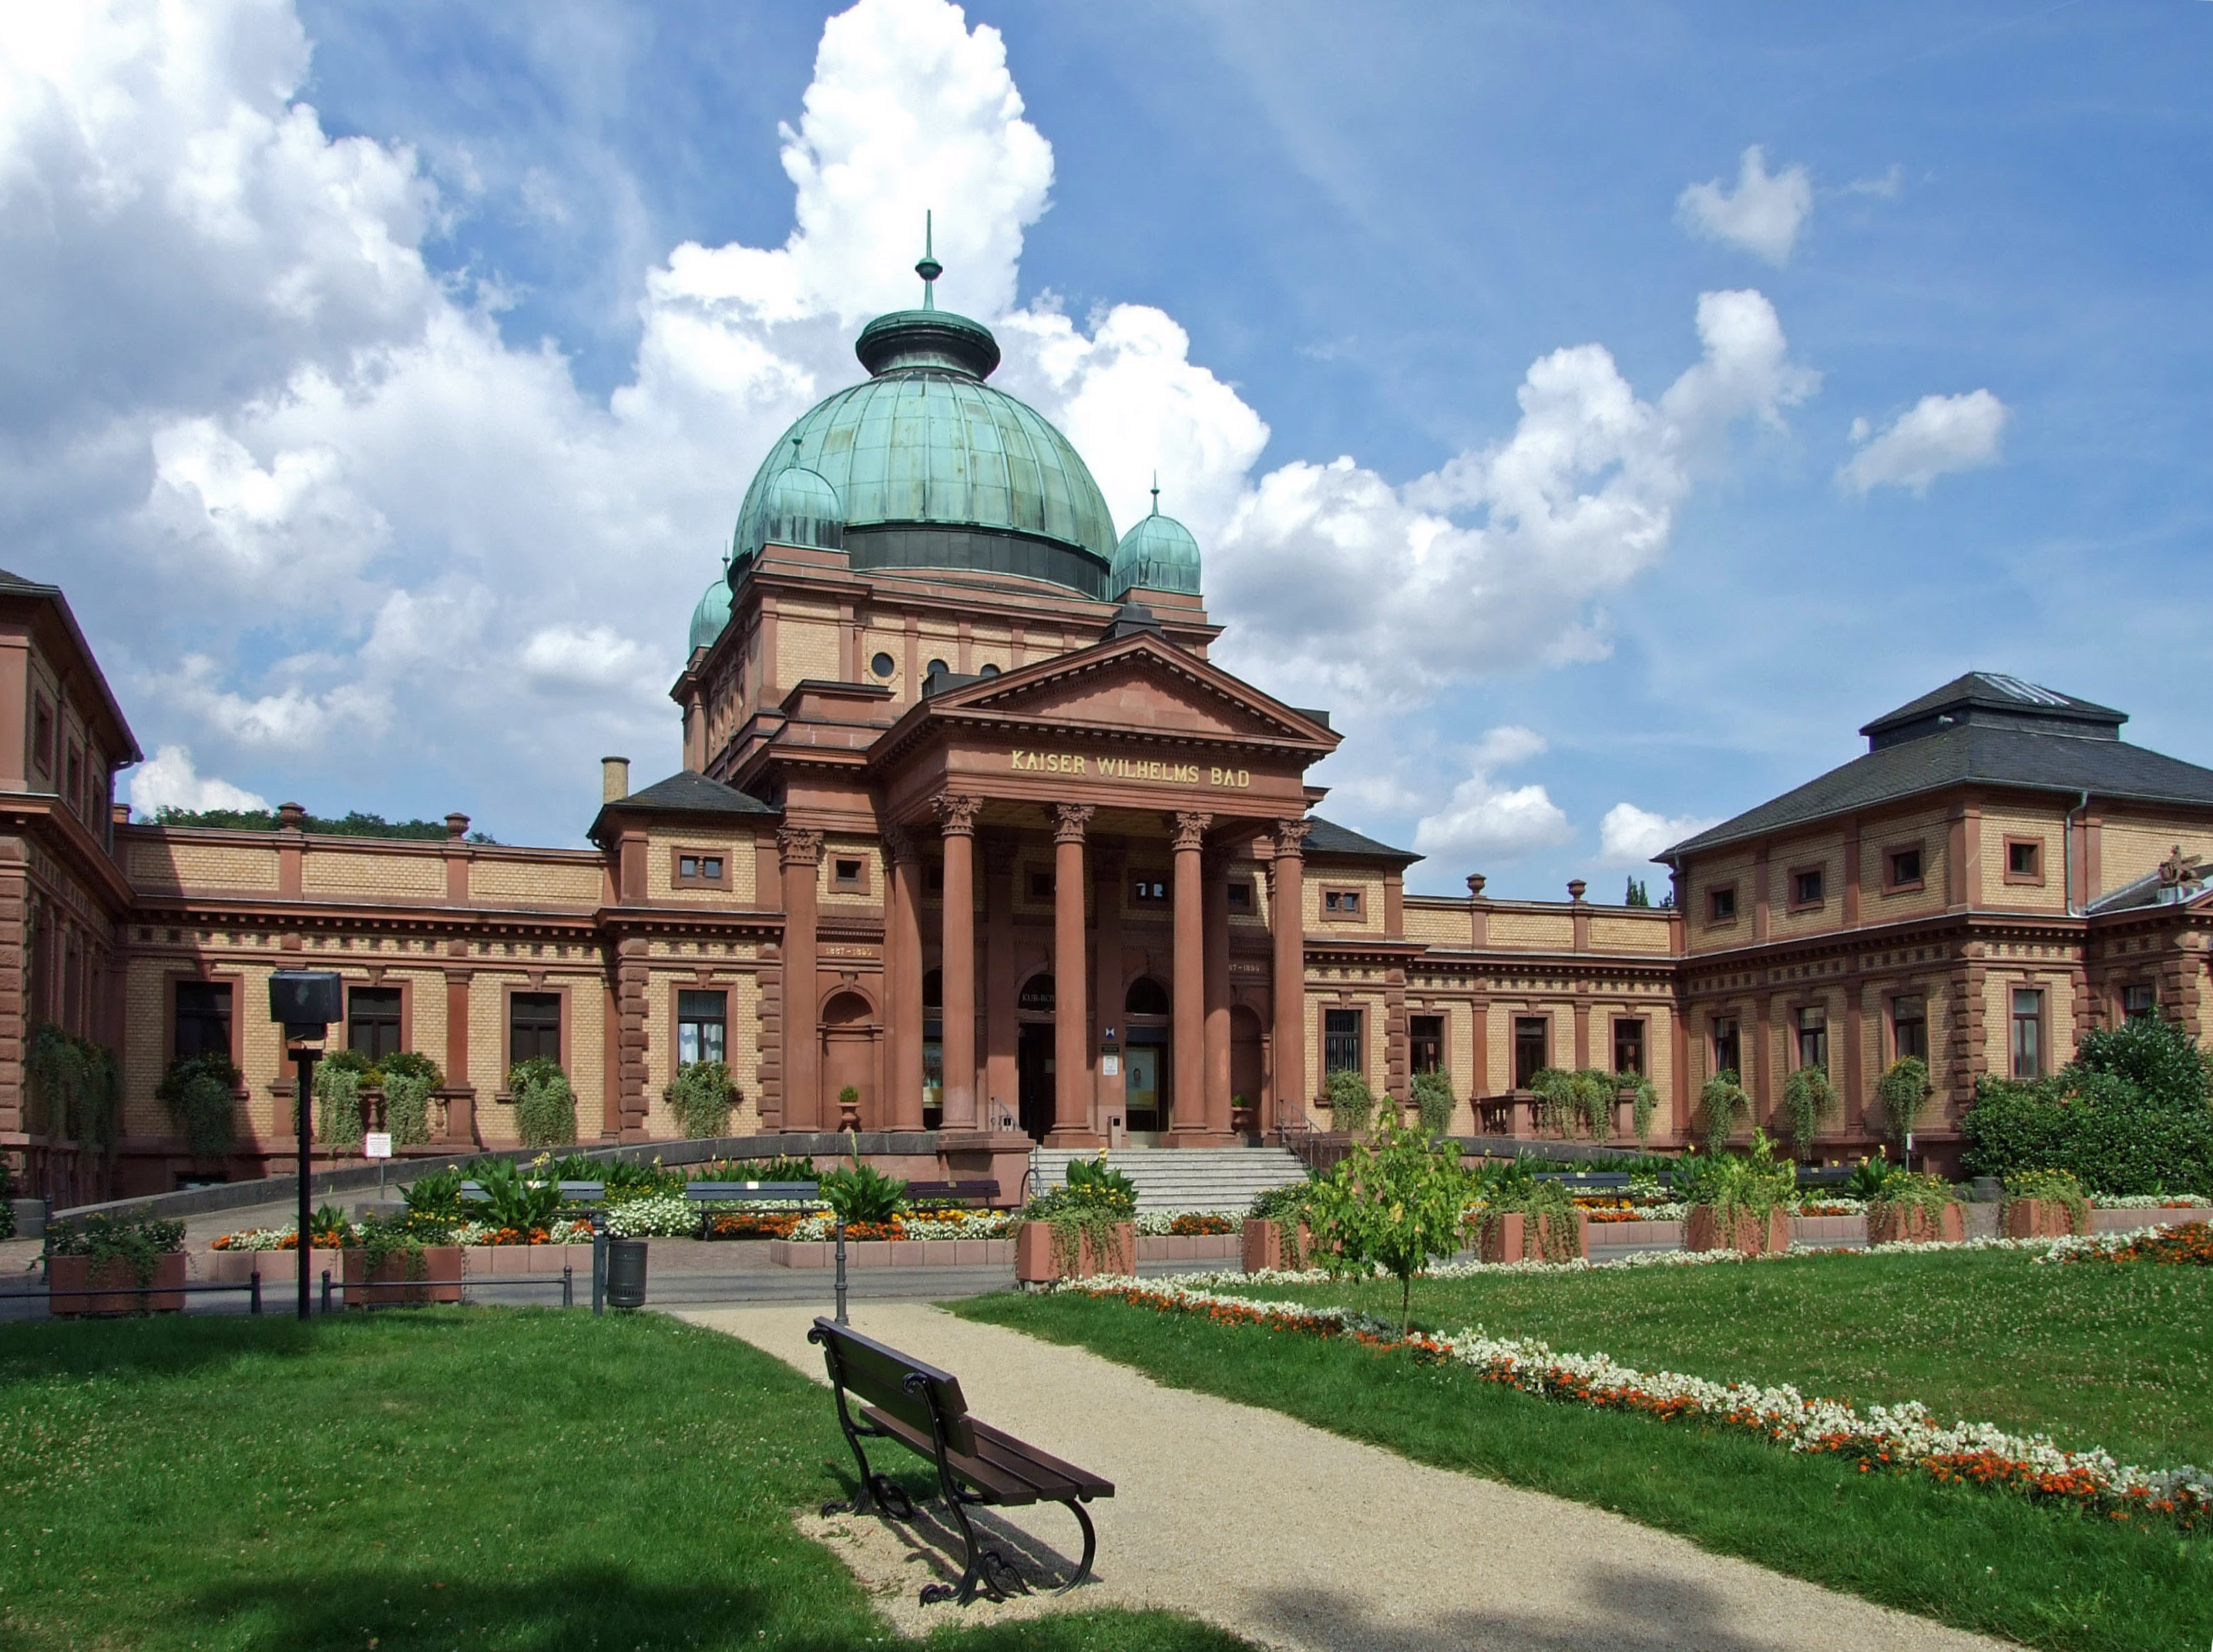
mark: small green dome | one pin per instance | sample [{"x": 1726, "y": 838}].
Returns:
[
  {"x": 1158, "y": 554},
  {"x": 933, "y": 468},
  {"x": 710, "y": 616}
]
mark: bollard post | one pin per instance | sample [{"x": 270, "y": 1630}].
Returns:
[
  {"x": 254, "y": 1301},
  {"x": 842, "y": 1319},
  {"x": 599, "y": 1261}
]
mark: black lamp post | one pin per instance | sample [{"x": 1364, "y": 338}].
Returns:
[{"x": 306, "y": 1002}]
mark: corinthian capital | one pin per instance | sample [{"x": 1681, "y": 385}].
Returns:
[
  {"x": 957, "y": 814},
  {"x": 1187, "y": 829},
  {"x": 799, "y": 845},
  {"x": 1068, "y": 821}
]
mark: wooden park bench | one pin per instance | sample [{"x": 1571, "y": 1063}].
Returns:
[
  {"x": 954, "y": 1193},
  {"x": 921, "y": 1408}
]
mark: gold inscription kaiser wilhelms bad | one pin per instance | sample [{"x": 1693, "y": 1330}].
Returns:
[{"x": 1130, "y": 768}]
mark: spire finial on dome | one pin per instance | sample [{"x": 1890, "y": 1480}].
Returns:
[{"x": 929, "y": 269}]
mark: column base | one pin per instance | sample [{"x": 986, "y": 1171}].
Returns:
[{"x": 1075, "y": 1138}]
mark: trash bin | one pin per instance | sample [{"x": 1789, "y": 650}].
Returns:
[{"x": 625, "y": 1273}]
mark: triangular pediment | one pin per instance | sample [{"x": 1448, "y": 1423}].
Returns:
[{"x": 1136, "y": 684}]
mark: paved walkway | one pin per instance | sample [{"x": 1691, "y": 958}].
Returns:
[{"x": 1300, "y": 1539}]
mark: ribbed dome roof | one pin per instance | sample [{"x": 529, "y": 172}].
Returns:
[
  {"x": 1158, "y": 554},
  {"x": 933, "y": 468},
  {"x": 710, "y": 616}
]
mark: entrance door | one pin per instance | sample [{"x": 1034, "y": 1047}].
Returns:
[
  {"x": 1144, "y": 1090},
  {"x": 1034, "y": 1075}
]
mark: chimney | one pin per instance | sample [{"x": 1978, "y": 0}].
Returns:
[{"x": 614, "y": 779}]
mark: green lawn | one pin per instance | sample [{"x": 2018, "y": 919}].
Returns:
[
  {"x": 476, "y": 1478},
  {"x": 2043, "y": 1575},
  {"x": 2092, "y": 1354}
]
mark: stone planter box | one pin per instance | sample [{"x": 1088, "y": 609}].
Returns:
[
  {"x": 892, "y": 1252},
  {"x": 2121, "y": 1222},
  {"x": 518, "y": 1261},
  {"x": 161, "y": 1294},
  {"x": 395, "y": 1283},
  {"x": 1645, "y": 1235},
  {"x": 2037, "y": 1219},
  {"x": 1515, "y": 1237},
  {"x": 1704, "y": 1231},
  {"x": 1896, "y": 1226},
  {"x": 1033, "y": 1258},
  {"x": 1829, "y": 1230}
]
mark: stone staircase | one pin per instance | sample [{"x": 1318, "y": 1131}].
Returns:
[{"x": 1183, "y": 1177}]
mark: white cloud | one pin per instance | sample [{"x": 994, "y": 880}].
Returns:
[
  {"x": 1628, "y": 835},
  {"x": 1937, "y": 435},
  {"x": 168, "y": 780},
  {"x": 1485, "y": 821},
  {"x": 1764, "y": 215}
]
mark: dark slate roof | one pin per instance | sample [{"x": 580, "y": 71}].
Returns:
[
  {"x": 1327, "y": 837},
  {"x": 686, "y": 792},
  {"x": 1997, "y": 701},
  {"x": 1971, "y": 753}
]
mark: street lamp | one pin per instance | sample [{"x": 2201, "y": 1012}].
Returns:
[{"x": 306, "y": 1001}]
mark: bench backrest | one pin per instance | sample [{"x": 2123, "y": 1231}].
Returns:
[
  {"x": 878, "y": 1375},
  {"x": 723, "y": 1190}
]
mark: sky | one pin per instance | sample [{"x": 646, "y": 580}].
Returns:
[{"x": 1603, "y": 411}]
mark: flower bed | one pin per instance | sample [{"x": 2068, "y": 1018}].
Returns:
[{"x": 1902, "y": 1439}]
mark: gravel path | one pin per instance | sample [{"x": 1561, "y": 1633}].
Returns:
[{"x": 1296, "y": 1538}]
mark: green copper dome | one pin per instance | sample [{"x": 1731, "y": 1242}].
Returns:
[
  {"x": 933, "y": 468},
  {"x": 1158, "y": 554},
  {"x": 710, "y": 616}
]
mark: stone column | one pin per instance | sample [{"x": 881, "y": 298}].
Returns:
[
  {"x": 903, "y": 977},
  {"x": 1071, "y": 1098},
  {"x": 1187, "y": 837},
  {"x": 958, "y": 969},
  {"x": 1214, "y": 876},
  {"x": 1288, "y": 884},
  {"x": 801, "y": 849}
]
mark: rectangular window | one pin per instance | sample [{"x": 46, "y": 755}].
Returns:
[
  {"x": 1533, "y": 1048},
  {"x": 1728, "y": 1048},
  {"x": 1340, "y": 1041},
  {"x": 1241, "y": 897},
  {"x": 701, "y": 1020},
  {"x": 1148, "y": 892},
  {"x": 203, "y": 1017},
  {"x": 1629, "y": 1046},
  {"x": 1909, "y": 1027},
  {"x": 1806, "y": 887},
  {"x": 2027, "y": 1033},
  {"x": 846, "y": 873},
  {"x": 1721, "y": 904},
  {"x": 1041, "y": 886},
  {"x": 373, "y": 1021},
  {"x": 42, "y": 734},
  {"x": 1902, "y": 868},
  {"x": 533, "y": 1025},
  {"x": 2139, "y": 1002},
  {"x": 1426, "y": 1042},
  {"x": 2024, "y": 860},
  {"x": 1340, "y": 903},
  {"x": 1814, "y": 1038}
]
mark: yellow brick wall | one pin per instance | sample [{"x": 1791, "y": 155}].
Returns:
[
  {"x": 1826, "y": 852},
  {"x": 1629, "y": 934},
  {"x": 538, "y": 883},
  {"x": 193, "y": 866},
  {"x": 1533, "y": 931},
  {"x": 397, "y": 873}
]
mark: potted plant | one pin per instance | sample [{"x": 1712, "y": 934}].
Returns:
[
  {"x": 1739, "y": 1201},
  {"x": 1911, "y": 1206},
  {"x": 105, "y": 1254},
  {"x": 2043, "y": 1205},
  {"x": 1086, "y": 1226}
]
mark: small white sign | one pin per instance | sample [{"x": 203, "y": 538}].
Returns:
[
  {"x": 1110, "y": 1066},
  {"x": 377, "y": 1145}
]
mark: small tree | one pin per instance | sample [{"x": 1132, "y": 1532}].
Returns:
[
  {"x": 1351, "y": 1103},
  {"x": 1394, "y": 1202},
  {"x": 1810, "y": 1100}
]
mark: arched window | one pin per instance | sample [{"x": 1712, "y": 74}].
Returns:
[{"x": 1146, "y": 997}]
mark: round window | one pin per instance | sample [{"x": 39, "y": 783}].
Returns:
[{"x": 881, "y": 665}]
